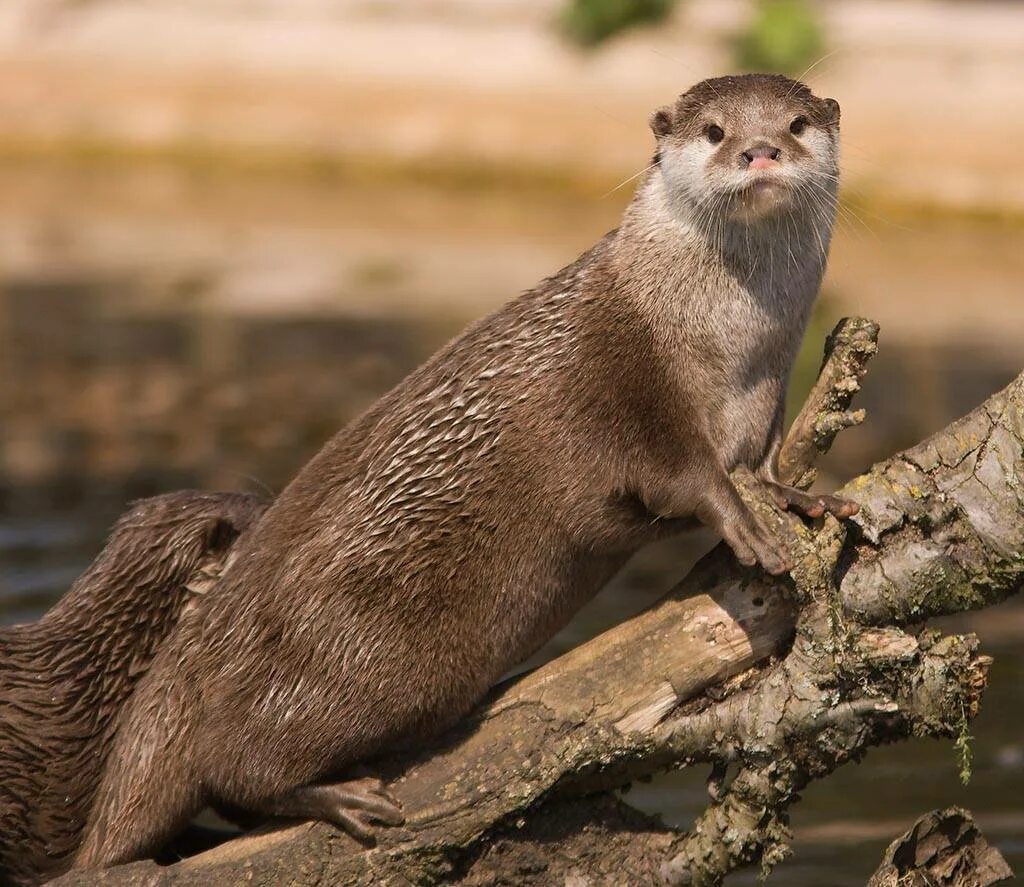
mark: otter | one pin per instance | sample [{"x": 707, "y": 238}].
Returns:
[
  {"x": 454, "y": 527},
  {"x": 64, "y": 678}
]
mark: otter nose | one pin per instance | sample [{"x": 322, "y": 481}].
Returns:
[{"x": 761, "y": 156}]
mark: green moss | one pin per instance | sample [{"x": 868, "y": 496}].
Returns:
[
  {"x": 785, "y": 36},
  {"x": 963, "y": 747},
  {"x": 948, "y": 592},
  {"x": 591, "y": 22}
]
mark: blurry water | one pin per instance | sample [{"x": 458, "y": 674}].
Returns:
[{"x": 160, "y": 330}]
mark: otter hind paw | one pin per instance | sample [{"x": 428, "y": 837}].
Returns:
[{"x": 353, "y": 806}]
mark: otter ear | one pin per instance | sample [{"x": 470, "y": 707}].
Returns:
[
  {"x": 832, "y": 109},
  {"x": 220, "y": 534},
  {"x": 661, "y": 122}
]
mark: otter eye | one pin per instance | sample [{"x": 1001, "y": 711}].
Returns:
[
  {"x": 715, "y": 134},
  {"x": 798, "y": 126}
]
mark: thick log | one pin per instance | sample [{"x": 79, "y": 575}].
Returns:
[{"x": 941, "y": 529}]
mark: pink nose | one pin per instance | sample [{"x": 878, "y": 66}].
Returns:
[{"x": 760, "y": 156}]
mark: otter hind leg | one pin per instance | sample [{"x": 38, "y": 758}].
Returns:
[
  {"x": 137, "y": 812},
  {"x": 352, "y": 805}
]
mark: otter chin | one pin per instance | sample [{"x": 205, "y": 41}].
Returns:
[{"x": 762, "y": 198}]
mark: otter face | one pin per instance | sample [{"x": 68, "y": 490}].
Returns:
[{"x": 748, "y": 147}]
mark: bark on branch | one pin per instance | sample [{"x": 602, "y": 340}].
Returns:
[
  {"x": 774, "y": 682},
  {"x": 944, "y": 848}
]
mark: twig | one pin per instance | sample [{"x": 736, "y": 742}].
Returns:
[{"x": 826, "y": 411}]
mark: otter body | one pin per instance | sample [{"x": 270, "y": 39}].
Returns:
[
  {"x": 458, "y": 524},
  {"x": 64, "y": 678}
]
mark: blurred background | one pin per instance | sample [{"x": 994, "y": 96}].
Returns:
[{"x": 226, "y": 226}]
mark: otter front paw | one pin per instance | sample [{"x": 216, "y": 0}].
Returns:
[
  {"x": 753, "y": 543},
  {"x": 809, "y": 504},
  {"x": 749, "y": 538}
]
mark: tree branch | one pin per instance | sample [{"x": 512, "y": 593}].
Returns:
[{"x": 943, "y": 848}]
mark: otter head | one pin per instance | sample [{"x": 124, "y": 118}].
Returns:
[{"x": 748, "y": 147}]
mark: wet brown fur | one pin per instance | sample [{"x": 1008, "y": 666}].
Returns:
[
  {"x": 453, "y": 528},
  {"x": 64, "y": 678}
]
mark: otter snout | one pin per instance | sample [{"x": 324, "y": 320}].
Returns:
[{"x": 760, "y": 156}]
